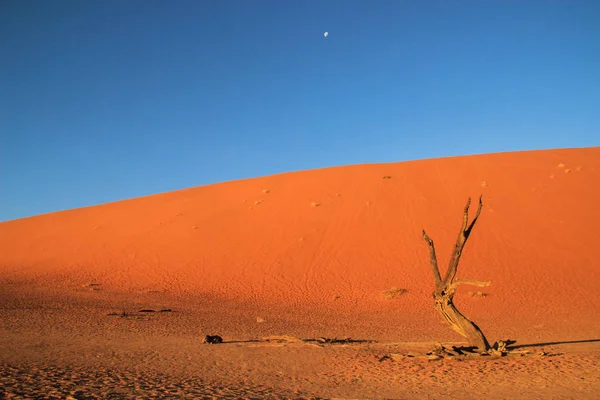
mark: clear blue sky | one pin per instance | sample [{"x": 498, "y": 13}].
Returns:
[{"x": 102, "y": 100}]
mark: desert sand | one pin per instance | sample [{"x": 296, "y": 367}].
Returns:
[{"x": 114, "y": 300}]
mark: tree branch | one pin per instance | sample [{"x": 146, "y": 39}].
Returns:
[
  {"x": 463, "y": 235},
  {"x": 452, "y": 287},
  {"x": 479, "y": 207},
  {"x": 471, "y": 282},
  {"x": 433, "y": 260}
]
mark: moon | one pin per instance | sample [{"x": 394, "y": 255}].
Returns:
[{"x": 326, "y": 34}]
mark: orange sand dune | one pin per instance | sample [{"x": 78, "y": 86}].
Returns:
[{"x": 330, "y": 241}]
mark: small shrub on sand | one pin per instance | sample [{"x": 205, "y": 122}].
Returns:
[{"x": 393, "y": 293}]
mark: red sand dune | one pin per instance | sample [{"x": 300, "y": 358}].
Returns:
[
  {"x": 309, "y": 254},
  {"x": 337, "y": 237}
]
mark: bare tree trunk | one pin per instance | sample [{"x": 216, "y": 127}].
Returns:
[{"x": 445, "y": 289}]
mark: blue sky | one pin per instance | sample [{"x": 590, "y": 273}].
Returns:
[{"x": 102, "y": 100}]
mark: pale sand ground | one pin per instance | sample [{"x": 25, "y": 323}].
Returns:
[
  {"x": 222, "y": 256},
  {"x": 69, "y": 346}
]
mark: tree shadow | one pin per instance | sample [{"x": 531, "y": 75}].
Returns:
[
  {"x": 520, "y": 346},
  {"x": 323, "y": 340},
  {"x": 242, "y": 341},
  {"x": 319, "y": 340}
]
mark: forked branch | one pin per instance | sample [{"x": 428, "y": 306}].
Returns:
[
  {"x": 463, "y": 235},
  {"x": 433, "y": 260}
]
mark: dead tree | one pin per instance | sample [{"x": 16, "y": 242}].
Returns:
[{"x": 445, "y": 289}]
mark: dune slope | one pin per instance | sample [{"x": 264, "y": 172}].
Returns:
[{"x": 334, "y": 239}]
